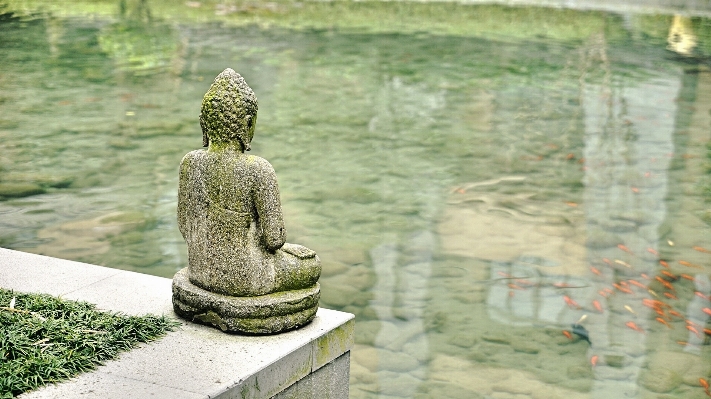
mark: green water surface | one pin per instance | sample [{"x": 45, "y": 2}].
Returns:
[{"x": 461, "y": 170}]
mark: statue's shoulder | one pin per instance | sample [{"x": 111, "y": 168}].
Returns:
[
  {"x": 259, "y": 163},
  {"x": 193, "y": 156}
]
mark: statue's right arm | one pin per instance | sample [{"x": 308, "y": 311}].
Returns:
[{"x": 268, "y": 205}]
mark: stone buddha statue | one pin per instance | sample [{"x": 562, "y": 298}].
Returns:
[{"x": 242, "y": 276}]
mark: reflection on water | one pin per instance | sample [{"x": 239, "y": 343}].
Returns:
[
  {"x": 472, "y": 194},
  {"x": 681, "y": 36},
  {"x": 628, "y": 145}
]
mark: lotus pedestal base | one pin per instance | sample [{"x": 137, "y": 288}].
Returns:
[{"x": 265, "y": 314}]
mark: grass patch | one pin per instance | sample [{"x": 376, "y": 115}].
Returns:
[{"x": 44, "y": 339}]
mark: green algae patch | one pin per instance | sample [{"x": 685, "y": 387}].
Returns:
[
  {"x": 44, "y": 339},
  {"x": 333, "y": 344},
  {"x": 438, "y": 17},
  {"x": 19, "y": 190}
]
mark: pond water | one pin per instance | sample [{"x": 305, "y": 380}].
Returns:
[{"x": 475, "y": 179}]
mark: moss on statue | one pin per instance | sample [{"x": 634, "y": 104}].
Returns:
[{"x": 229, "y": 213}]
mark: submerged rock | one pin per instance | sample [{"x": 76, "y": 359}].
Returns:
[
  {"x": 601, "y": 239},
  {"x": 660, "y": 380},
  {"x": 19, "y": 190}
]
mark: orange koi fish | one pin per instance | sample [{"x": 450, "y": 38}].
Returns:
[
  {"x": 597, "y": 305},
  {"x": 637, "y": 283},
  {"x": 503, "y": 274},
  {"x": 567, "y": 334},
  {"x": 644, "y": 276},
  {"x": 624, "y": 248},
  {"x": 659, "y": 319},
  {"x": 689, "y": 264},
  {"x": 562, "y": 285},
  {"x": 693, "y": 330},
  {"x": 606, "y": 261},
  {"x": 605, "y": 292},
  {"x": 653, "y": 303},
  {"x": 593, "y": 360},
  {"x": 650, "y": 303},
  {"x": 621, "y": 288},
  {"x": 701, "y": 249},
  {"x": 571, "y": 303},
  {"x": 704, "y": 384},
  {"x": 652, "y": 251},
  {"x": 675, "y": 313},
  {"x": 707, "y": 331},
  {"x": 595, "y": 270},
  {"x": 686, "y": 276},
  {"x": 514, "y": 287},
  {"x": 634, "y": 326},
  {"x": 670, "y": 295},
  {"x": 664, "y": 263},
  {"x": 707, "y": 311},
  {"x": 664, "y": 283},
  {"x": 691, "y": 323},
  {"x": 701, "y": 295},
  {"x": 671, "y": 276}
]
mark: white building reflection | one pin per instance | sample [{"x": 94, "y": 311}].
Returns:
[
  {"x": 630, "y": 133},
  {"x": 403, "y": 265},
  {"x": 628, "y": 147}
]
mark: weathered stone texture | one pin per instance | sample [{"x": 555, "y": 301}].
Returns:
[
  {"x": 279, "y": 311},
  {"x": 229, "y": 213}
]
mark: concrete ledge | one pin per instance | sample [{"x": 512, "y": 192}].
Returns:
[{"x": 195, "y": 361}]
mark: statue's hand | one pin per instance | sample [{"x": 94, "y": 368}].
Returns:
[{"x": 299, "y": 251}]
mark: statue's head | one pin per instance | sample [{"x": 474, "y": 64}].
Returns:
[{"x": 229, "y": 111}]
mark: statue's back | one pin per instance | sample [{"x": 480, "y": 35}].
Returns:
[{"x": 218, "y": 220}]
